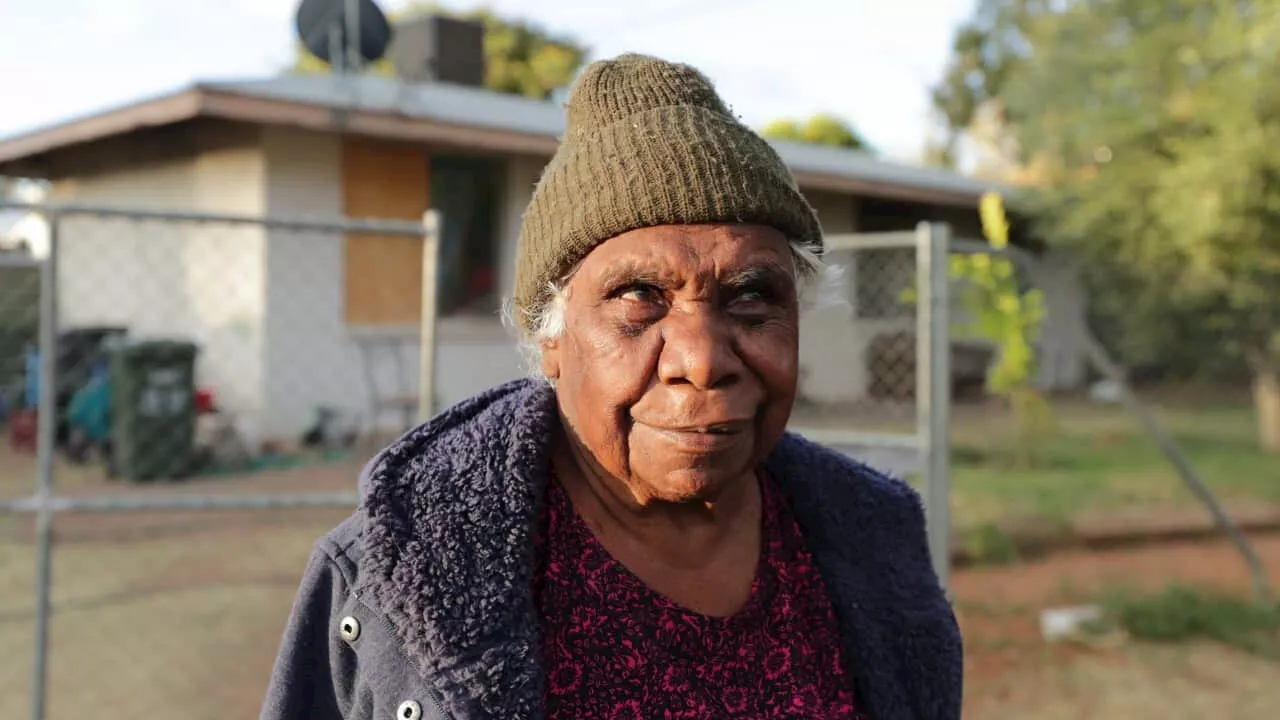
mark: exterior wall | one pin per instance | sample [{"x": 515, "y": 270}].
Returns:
[
  {"x": 1062, "y": 358},
  {"x": 832, "y": 367},
  {"x": 201, "y": 282},
  {"x": 310, "y": 357}
]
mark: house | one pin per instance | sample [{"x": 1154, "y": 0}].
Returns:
[{"x": 282, "y": 316}]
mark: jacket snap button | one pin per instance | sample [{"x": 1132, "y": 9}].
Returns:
[
  {"x": 409, "y": 710},
  {"x": 349, "y": 628}
]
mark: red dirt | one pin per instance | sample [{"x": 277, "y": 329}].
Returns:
[
  {"x": 1213, "y": 563},
  {"x": 999, "y": 607}
]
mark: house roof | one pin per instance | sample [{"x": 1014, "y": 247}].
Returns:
[{"x": 448, "y": 115}]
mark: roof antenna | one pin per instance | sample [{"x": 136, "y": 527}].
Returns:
[{"x": 346, "y": 34}]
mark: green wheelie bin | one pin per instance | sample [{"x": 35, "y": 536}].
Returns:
[{"x": 153, "y": 412}]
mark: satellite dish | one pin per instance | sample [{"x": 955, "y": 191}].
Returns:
[{"x": 344, "y": 33}]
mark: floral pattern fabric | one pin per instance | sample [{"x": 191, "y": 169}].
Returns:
[{"x": 616, "y": 650}]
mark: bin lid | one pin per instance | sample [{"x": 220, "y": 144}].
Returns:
[{"x": 157, "y": 348}]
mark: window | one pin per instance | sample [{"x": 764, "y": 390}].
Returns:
[{"x": 466, "y": 191}]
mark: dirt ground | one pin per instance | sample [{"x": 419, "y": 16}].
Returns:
[
  {"x": 171, "y": 610},
  {"x": 1012, "y": 673},
  {"x": 162, "y": 610}
]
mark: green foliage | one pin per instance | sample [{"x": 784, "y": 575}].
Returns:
[
  {"x": 998, "y": 311},
  {"x": 1180, "y": 614},
  {"x": 939, "y": 154},
  {"x": 1157, "y": 122},
  {"x": 520, "y": 57},
  {"x": 1011, "y": 319},
  {"x": 988, "y": 50},
  {"x": 817, "y": 130},
  {"x": 988, "y": 544}
]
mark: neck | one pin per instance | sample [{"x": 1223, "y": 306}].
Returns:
[{"x": 687, "y": 534}]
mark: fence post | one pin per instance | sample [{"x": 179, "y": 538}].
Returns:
[
  {"x": 933, "y": 388},
  {"x": 427, "y": 324},
  {"x": 46, "y": 448}
]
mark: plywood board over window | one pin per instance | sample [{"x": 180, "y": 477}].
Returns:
[{"x": 383, "y": 274}]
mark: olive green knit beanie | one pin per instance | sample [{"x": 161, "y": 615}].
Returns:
[{"x": 648, "y": 142}]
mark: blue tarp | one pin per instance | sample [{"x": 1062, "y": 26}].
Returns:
[
  {"x": 90, "y": 409},
  {"x": 33, "y": 378}
]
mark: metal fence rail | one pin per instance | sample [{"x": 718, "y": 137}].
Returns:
[
  {"x": 882, "y": 267},
  {"x": 83, "y": 254}
]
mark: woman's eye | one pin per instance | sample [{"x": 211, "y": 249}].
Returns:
[
  {"x": 752, "y": 297},
  {"x": 639, "y": 293}
]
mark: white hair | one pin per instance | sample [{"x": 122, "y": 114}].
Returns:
[{"x": 819, "y": 286}]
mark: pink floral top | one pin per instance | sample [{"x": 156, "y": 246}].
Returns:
[{"x": 615, "y": 650}]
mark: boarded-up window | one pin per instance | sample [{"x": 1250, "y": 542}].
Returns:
[{"x": 383, "y": 274}]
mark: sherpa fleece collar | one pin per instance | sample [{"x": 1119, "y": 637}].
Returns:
[{"x": 452, "y": 510}]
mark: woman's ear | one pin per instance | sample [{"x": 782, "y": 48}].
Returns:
[{"x": 551, "y": 359}]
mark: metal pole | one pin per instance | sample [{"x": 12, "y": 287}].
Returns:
[
  {"x": 427, "y": 323},
  {"x": 933, "y": 388},
  {"x": 46, "y": 441},
  {"x": 354, "y": 60},
  {"x": 337, "y": 53}
]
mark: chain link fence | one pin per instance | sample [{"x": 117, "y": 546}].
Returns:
[
  {"x": 216, "y": 383},
  {"x": 876, "y": 365},
  {"x": 204, "y": 389},
  {"x": 19, "y": 334}
]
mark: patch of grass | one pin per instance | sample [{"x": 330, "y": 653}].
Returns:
[
  {"x": 1099, "y": 460},
  {"x": 1184, "y": 613},
  {"x": 989, "y": 544}
]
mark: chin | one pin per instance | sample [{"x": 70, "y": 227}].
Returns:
[{"x": 694, "y": 484}]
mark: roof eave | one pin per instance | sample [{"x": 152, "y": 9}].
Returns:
[
  {"x": 885, "y": 189},
  {"x": 267, "y": 111},
  {"x": 167, "y": 109},
  {"x": 19, "y": 155}
]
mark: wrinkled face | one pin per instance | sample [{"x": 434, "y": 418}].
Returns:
[{"x": 676, "y": 371}]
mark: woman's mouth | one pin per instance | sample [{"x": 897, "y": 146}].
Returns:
[{"x": 703, "y": 437}]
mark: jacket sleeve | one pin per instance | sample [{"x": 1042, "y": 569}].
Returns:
[
  {"x": 314, "y": 667},
  {"x": 941, "y": 683}
]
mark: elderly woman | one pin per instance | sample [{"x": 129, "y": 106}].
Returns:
[{"x": 634, "y": 535}]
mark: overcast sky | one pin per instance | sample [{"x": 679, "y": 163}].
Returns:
[{"x": 869, "y": 61}]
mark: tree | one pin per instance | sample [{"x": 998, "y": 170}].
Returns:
[
  {"x": 1157, "y": 123},
  {"x": 987, "y": 51},
  {"x": 989, "y": 55},
  {"x": 820, "y": 129},
  {"x": 520, "y": 57}
]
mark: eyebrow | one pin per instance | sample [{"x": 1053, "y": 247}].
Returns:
[
  {"x": 767, "y": 271},
  {"x": 629, "y": 272}
]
